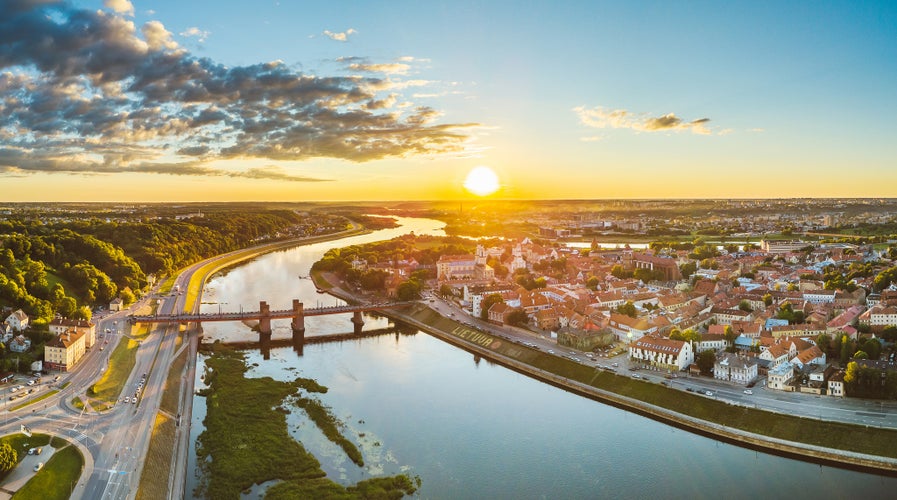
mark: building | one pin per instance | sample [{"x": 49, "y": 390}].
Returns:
[
  {"x": 63, "y": 352},
  {"x": 61, "y": 325},
  {"x": 19, "y": 344},
  {"x": 836, "y": 384},
  {"x": 782, "y": 246},
  {"x": 455, "y": 267},
  {"x": 666, "y": 354},
  {"x": 776, "y": 355},
  {"x": 710, "y": 342},
  {"x": 669, "y": 268},
  {"x": 117, "y": 303},
  {"x": 780, "y": 377},
  {"x": 18, "y": 320},
  {"x": 585, "y": 339},
  {"x": 734, "y": 368},
  {"x": 630, "y": 329}
]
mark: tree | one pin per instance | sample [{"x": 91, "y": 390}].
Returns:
[
  {"x": 446, "y": 291},
  {"x": 688, "y": 268},
  {"x": 767, "y": 299},
  {"x": 824, "y": 342},
  {"x": 517, "y": 317},
  {"x": 593, "y": 283},
  {"x": 706, "y": 360},
  {"x": 628, "y": 309},
  {"x": 851, "y": 374},
  {"x": 127, "y": 296},
  {"x": 745, "y": 306},
  {"x": 83, "y": 312},
  {"x": 408, "y": 290},
  {"x": 9, "y": 457},
  {"x": 619, "y": 271},
  {"x": 860, "y": 355},
  {"x": 489, "y": 301}
]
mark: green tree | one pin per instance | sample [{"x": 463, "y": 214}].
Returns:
[
  {"x": 408, "y": 290},
  {"x": 688, "y": 268},
  {"x": 767, "y": 299},
  {"x": 618, "y": 271},
  {"x": 446, "y": 291},
  {"x": 851, "y": 374},
  {"x": 706, "y": 360},
  {"x": 517, "y": 317},
  {"x": 628, "y": 309},
  {"x": 824, "y": 342},
  {"x": 489, "y": 301},
  {"x": 860, "y": 355},
  {"x": 83, "y": 312},
  {"x": 127, "y": 296},
  {"x": 9, "y": 457},
  {"x": 593, "y": 283},
  {"x": 745, "y": 306}
]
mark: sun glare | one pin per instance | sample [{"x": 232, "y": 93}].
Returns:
[{"x": 481, "y": 181}]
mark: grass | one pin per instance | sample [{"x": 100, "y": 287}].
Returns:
[
  {"x": 246, "y": 440},
  {"x": 21, "y": 443},
  {"x": 56, "y": 479},
  {"x": 122, "y": 361},
  {"x": 43, "y": 396},
  {"x": 834, "y": 435},
  {"x": 78, "y": 403},
  {"x": 158, "y": 459},
  {"x": 172, "y": 393},
  {"x": 63, "y": 386}
]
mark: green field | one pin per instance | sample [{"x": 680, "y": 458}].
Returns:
[{"x": 43, "y": 396}]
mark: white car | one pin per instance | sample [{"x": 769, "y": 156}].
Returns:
[
  {"x": 708, "y": 393},
  {"x": 748, "y": 391},
  {"x": 128, "y": 399}
]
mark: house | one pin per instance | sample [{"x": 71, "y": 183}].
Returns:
[
  {"x": 735, "y": 368},
  {"x": 812, "y": 356},
  {"x": 628, "y": 329},
  {"x": 61, "y": 325},
  {"x": 65, "y": 350},
  {"x": 836, "y": 384},
  {"x": 776, "y": 355},
  {"x": 499, "y": 313},
  {"x": 19, "y": 344},
  {"x": 666, "y": 354},
  {"x": 116, "y": 304},
  {"x": 709, "y": 341},
  {"x": 18, "y": 320},
  {"x": 780, "y": 377}
]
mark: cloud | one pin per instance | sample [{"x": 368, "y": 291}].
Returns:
[
  {"x": 86, "y": 91},
  {"x": 193, "y": 31},
  {"x": 120, "y": 6},
  {"x": 340, "y": 37},
  {"x": 599, "y": 117},
  {"x": 388, "y": 68}
]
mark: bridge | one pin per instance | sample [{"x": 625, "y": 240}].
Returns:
[{"x": 264, "y": 315}]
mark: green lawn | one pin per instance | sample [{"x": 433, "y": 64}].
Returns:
[
  {"x": 122, "y": 361},
  {"x": 57, "y": 478},
  {"x": 21, "y": 443},
  {"x": 43, "y": 396},
  {"x": 158, "y": 460}
]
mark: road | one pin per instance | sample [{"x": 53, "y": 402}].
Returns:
[{"x": 847, "y": 410}]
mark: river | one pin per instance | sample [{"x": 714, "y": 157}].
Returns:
[{"x": 471, "y": 429}]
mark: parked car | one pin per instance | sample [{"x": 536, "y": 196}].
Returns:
[
  {"x": 708, "y": 393},
  {"x": 39, "y": 466}
]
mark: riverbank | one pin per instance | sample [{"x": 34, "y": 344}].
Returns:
[{"x": 837, "y": 444}]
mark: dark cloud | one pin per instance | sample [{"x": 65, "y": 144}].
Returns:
[{"x": 88, "y": 91}]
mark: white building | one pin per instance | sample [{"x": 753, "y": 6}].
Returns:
[
  {"x": 18, "y": 320},
  {"x": 776, "y": 355},
  {"x": 780, "y": 377},
  {"x": 734, "y": 368},
  {"x": 666, "y": 354}
]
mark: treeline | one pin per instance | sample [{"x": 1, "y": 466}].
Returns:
[{"x": 67, "y": 266}]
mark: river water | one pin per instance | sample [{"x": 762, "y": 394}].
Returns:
[{"x": 471, "y": 429}]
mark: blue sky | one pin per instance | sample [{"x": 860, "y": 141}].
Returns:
[{"x": 561, "y": 99}]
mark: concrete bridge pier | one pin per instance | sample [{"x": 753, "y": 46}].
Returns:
[
  {"x": 298, "y": 323},
  {"x": 358, "y": 321},
  {"x": 265, "y": 329}
]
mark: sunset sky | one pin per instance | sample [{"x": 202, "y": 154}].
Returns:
[{"x": 350, "y": 100}]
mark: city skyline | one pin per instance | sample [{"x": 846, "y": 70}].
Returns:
[{"x": 159, "y": 101}]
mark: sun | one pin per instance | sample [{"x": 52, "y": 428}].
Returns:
[{"x": 481, "y": 181}]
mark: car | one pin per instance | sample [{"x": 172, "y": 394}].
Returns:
[
  {"x": 748, "y": 392},
  {"x": 38, "y": 451},
  {"x": 101, "y": 348},
  {"x": 127, "y": 399},
  {"x": 39, "y": 466},
  {"x": 31, "y": 382},
  {"x": 14, "y": 389},
  {"x": 31, "y": 390},
  {"x": 708, "y": 393},
  {"x": 615, "y": 365},
  {"x": 664, "y": 382},
  {"x": 134, "y": 400},
  {"x": 56, "y": 378},
  {"x": 689, "y": 389}
]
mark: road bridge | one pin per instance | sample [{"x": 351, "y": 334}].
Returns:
[{"x": 264, "y": 315}]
